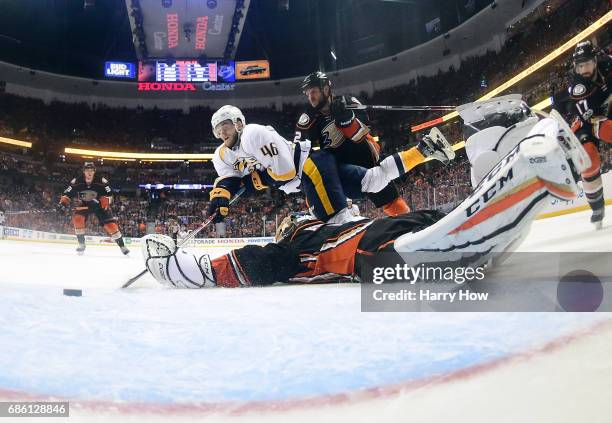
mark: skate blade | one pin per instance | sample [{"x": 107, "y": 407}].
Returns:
[{"x": 436, "y": 134}]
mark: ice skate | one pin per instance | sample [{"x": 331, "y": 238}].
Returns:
[
  {"x": 597, "y": 217},
  {"x": 435, "y": 146}
]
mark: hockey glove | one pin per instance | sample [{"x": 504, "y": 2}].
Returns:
[
  {"x": 253, "y": 183},
  {"x": 219, "y": 204},
  {"x": 342, "y": 116},
  {"x": 62, "y": 207}
]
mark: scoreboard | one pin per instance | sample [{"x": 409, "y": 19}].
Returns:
[{"x": 186, "y": 71}]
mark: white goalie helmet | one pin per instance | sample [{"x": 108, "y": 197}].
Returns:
[{"x": 226, "y": 112}]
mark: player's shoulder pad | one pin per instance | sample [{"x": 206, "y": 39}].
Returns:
[
  {"x": 220, "y": 152},
  {"x": 578, "y": 86},
  {"x": 577, "y": 90},
  {"x": 74, "y": 181},
  {"x": 307, "y": 118},
  {"x": 104, "y": 180},
  {"x": 252, "y": 128}
]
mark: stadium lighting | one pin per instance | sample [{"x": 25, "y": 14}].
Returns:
[
  {"x": 117, "y": 159},
  {"x": 15, "y": 142},
  {"x": 137, "y": 156},
  {"x": 601, "y": 22}
]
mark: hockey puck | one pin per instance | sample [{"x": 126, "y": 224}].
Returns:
[{"x": 73, "y": 292}]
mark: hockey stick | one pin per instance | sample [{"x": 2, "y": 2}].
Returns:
[
  {"x": 188, "y": 238},
  {"x": 400, "y": 108}
]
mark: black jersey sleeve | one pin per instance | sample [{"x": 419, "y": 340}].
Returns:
[
  {"x": 71, "y": 191},
  {"x": 104, "y": 189},
  {"x": 270, "y": 263}
]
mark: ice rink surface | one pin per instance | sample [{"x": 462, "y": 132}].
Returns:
[{"x": 255, "y": 347}]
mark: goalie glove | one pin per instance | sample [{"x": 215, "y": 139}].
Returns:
[
  {"x": 435, "y": 146},
  {"x": 175, "y": 267}
]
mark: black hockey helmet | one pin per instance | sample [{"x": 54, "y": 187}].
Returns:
[
  {"x": 584, "y": 52},
  {"x": 316, "y": 79},
  {"x": 89, "y": 165}
]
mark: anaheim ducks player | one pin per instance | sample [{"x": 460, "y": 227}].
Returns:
[
  {"x": 91, "y": 194},
  {"x": 257, "y": 157},
  {"x": 344, "y": 138},
  {"x": 493, "y": 219},
  {"x": 588, "y": 98}
]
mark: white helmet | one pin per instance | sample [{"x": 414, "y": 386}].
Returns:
[{"x": 226, "y": 112}]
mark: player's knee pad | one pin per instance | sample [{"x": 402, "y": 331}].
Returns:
[
  {"x": 175, "y": 267},
  {"x": 592, "y": 172}
]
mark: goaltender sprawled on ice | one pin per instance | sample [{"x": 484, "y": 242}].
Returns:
[{"x": 513, "y": 176}]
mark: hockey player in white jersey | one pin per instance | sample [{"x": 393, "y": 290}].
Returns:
[
  {"x": 493, "y": 219},
  {"x": 257, "y": 157}
]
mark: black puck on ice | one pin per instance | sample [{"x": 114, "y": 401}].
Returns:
[{"x": 73, "y": 292}]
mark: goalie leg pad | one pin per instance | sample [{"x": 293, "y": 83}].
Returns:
[
  {"x": 175, "y": 267},
  {"x": 503, "y": 205}
]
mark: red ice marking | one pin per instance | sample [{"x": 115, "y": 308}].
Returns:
[{"x": 237, "y": 408}]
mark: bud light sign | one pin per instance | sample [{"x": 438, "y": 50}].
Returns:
[{"x": 119, "y": 70}]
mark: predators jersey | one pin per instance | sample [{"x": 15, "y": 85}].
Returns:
[{"x": 261, "y": 148}]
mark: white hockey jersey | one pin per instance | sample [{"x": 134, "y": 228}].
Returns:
[{"x": 261, "y": 148}]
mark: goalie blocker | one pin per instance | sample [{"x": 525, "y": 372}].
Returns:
[{"x": 494, "y": 218}]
